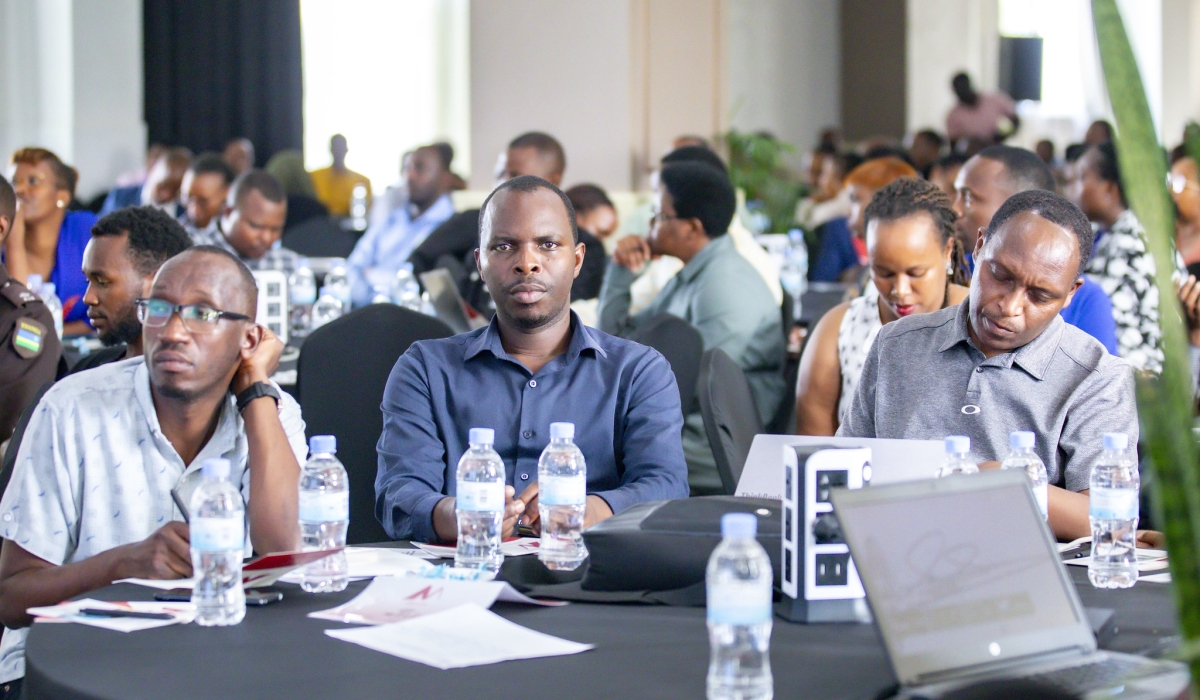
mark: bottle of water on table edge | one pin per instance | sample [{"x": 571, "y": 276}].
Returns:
[
  {"x": 337, "y": 285},
  {"x": 324, "y": 516},
  {"x": 738, "y": 582},
  {"x": 49, "y": 296},
  {"x": 479, "y": 503},
  {"x": 302, "y": 292},
  {"x": 405, "y": 290},
  {"x": 1114, "y": 515},
  {"x": 562, "y": 500},
  {"x": 1022, "y": 456},
  {"x": 327, "y": 308},
  {"x": 218, "y": 535},
  {"x": 958, "y": 457}
]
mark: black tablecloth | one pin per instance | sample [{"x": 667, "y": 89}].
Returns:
[{"x": 641, "y": 652}]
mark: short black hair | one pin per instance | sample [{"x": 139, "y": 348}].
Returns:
[
  {"x": 1107, "y": 166},
  {"x": 260, "y": 181},
  {"x": 530, "y": 183},
  {"x": 1073, "y": 151},
  {"x": 211, "y": 163},
  {"x": 544, "y": 144},
  {"x": 701, "y": 192},
  {"x": 445, "y": 153},
  {"x": 951, "y": 160},
  {"x": 695, "y": 154},
  {"x": 930, "y": 135},
  {"x": 907, "y": 196},
  {"x": 1024, "y": 169},
  {"x": 587, "y": 197},
  {"x": 1053, "y": 208},
  {"x": 8, "y": 200},
  {"x": 247, "y": 277},
  {"x": 154, "y": 237}
]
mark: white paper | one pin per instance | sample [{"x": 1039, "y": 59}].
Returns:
[
  {"x": 69, "y": 612},
  {"x": 466, "y": 635},
  {"x": 510, "y": 548},
  {"x": 1147, "y": 559},
  {"x": 1164, "y": 577},
  {"x": 160, "y": 584},
  {"x": 392, "y": 599},
  {"x": 369, "y": 562}
]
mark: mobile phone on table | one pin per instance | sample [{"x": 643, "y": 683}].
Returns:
[{"x": 254, "y": 596}]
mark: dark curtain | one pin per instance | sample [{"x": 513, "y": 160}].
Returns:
[{"x": 221, "y": 69}]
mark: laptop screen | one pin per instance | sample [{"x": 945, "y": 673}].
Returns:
[{"x": 960, "y": 572}]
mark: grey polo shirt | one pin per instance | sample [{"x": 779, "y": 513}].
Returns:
[{"x": 924, "y": 379}]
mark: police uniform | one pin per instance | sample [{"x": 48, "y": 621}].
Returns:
[{"x": 29, "y": 349}]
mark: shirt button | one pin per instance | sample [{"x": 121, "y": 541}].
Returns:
[
  {"x": 979, "y": 369},
  {"x": 8, "y": 517},
  {"x": 524, "y": 477},
  {"x": 532, "y": 383},
  {"x": 527, "y": 434}
]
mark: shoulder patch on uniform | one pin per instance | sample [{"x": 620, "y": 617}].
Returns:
[
  {"x": 28, "y": 338},
  {"x": 18, "y": 294}
]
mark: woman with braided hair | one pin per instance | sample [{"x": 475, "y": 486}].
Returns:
[{"x": 917, "y": 266}]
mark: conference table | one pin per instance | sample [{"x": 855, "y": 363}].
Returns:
[{"x": 641, "y": 651}]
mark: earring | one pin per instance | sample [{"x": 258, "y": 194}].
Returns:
[
  {"x": 949, "y": 268},
  {"x": 60, "y": 204}
]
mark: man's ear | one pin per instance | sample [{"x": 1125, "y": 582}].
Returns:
[
  {"x": 979, "y": 243},
  {"x": 1074, "y": 288},
  {"x": 250, "y": 340},
  {"x": 580, "y": 252},
  {"x": 478, "y": 265}
]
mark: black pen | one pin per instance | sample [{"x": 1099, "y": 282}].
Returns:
[
  {"x": 179, "y": 505},
  {"x": 102, "y": 612}
]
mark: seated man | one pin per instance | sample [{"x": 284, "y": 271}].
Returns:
[
  {"x": 252, "y": 224},
  {"x": 533, "y": 365},
  {"x": 136, "y": 429},
  {"x": 161, "y": 188},
  {"x": 718, "y": 291},
  {"x": 205, "y": 189},
  {"x": 1004, "y": 360},
  {"x": 335, "y": 184}
]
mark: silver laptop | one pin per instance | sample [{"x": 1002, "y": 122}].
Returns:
[
  {"x": 965, "y": 583},
  {"x": 447, "y": 303}
]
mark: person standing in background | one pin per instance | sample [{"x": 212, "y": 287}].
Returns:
[
  {"x": 335, "y": 184},
  {"x": 239, "y": 155},
  {"x": 983, "y": 118}
]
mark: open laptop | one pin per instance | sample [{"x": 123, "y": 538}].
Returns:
[
  {"x": 447, "y": 303},
  {"x": 965, "y": 583}
]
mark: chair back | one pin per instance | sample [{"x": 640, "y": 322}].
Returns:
[
  {"x": 730, "y": 415},
  {"x": 340, "y": 378},
  {"x": 681, "y": 344},
  {"x": 321, "y": 237}
]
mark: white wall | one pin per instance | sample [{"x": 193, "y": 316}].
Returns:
[
  {"x": 945, "y": 37},
  {"x": 1180, "y": 67}
]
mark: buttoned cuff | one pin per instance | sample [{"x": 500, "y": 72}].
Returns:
[
  {"x": 420, "y": 517},
  {"x": 617, "y": 499}
]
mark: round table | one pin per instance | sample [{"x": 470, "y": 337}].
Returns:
[{"x": 641, "y": 652}]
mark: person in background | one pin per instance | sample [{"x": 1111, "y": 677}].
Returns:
[
  {"x": 239, "y": 155},
  {"x": 689, "y": 140},
  {"x": 1005, "y": 360},
  {"x": 1184, "y": 182},
  {"x": 985, "y": 118},
  {"x": 288, "y": 168},
  {"x": 1121, "y": 263},
  {"x": 985, "y": 182},
  {"x": 138, "y": 175},
  {"x": 596, "y": 219},
  {"x": 205, "y": 189},
  {"x": 718, "y": 292},
  {"x": 917, "y": 267},
  {"x": 201, "y": 392},
  {"x": 29, "y": 348},
  {"x": 945, "y": 172},
  {"x": 534, "y": 364},
  {"x": 829, "y": 199},
  {"x": 252, "y": 224},
  {"x": 924, "y": 150},
  {"x": 335, "y": 184},
  {"x": 1098, "y": 132},
  {"x": 1045, "y": 150},
  {"x": 161, "y": 189},
  {"x": 46, "y": 238},
  {"x": 381, "y": 251}
]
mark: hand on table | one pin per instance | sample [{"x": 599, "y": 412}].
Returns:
[
  {"x": 165, "y": 554},
  {"x": 261, "y": 364},
  {"x": 1151, "y": 539},
  {"x": 595, "y": 511},
  {"x": 633, "y": 252}
]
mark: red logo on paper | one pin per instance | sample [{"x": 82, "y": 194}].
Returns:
[{"x": 426, "y": 593}]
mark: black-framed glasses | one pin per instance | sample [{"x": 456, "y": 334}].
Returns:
[
  {"x": 659, "y": 217},
  {"x": 196, "y": 318}
]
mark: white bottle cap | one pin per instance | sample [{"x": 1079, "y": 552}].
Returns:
[
  {"x": 739, "y": 525},
  {"x": 1022, "y": 440},
  {"x": 215, "y": 468},
  {"x": 481, "y": 436},
  {"x": 34, "y": 281},
  {"x": 49, "y": 288},
  {"x": 1116, "y": 441},
  {"x": 322, "y": 443},
  {"x": 958, "y": 444},
  {"x": 562, "y": 431}
]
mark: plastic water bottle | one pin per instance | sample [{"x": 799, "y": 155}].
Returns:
[
  {"x": 1114, "y": 515},
  {"x": 337, "y": 285},
  {"x": 738, "y": 582},
  {"x": 324, "y": 515},
  {"x": 218, "y": 537},
  {"x": 405, "y": 291},
  {"x": 793, "y": 272},
  {"x": 479, "y": 503},
  {"x": 380, "y": 295},
  {"x": 358, "y": 207},
  {"x": 302, "y": 289},
  {"x": 958, "y": 457},
  {"x": 327, "y": 308},
  {"x": 50, "y": 298},
  {"x": 1022, "y": 456},
  {"x": 562, "y": 500}
]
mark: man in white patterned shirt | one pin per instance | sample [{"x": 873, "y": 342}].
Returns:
[
  {"x": 252, "y": 224},
  {"x": 90, "y": 501}
]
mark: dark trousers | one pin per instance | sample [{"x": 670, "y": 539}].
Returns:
[{"x": 11, "y": 690}]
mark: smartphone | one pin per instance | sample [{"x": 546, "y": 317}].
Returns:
[{"x": 254, "y": 596}]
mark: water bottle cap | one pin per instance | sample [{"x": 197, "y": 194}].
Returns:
[
  {"x": 34, "y": 281},
  {"x": 481, "y": 436},
  {"x": 215, "y": 468},
  {"x": 562, "y": 431},
  {"x": 1022, "y": 440},
  {"x": 322, "y": 443},
  {"x": 739, "y": 525},
  {"x": 49, "y": 288},
  {"x": 1116, "y": 441},
  {"x": 958, "y": 443}
]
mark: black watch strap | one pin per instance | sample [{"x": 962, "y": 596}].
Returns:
[{"x": 257, "y": 390}]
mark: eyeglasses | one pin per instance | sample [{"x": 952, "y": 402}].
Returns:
[
  {"x": 197, "y": 318},
  {"x": 1178, "y": 183},
  {"x": 658, "y": 218}
]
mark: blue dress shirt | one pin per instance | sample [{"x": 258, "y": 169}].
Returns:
[
  {"x": 620, "y": 395},
  {"x": 836, "y": 252},
  {"x": 67, "y": 274},
  {"x": 388, "y": 246}
]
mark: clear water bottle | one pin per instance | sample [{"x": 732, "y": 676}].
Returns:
[
  {"x": 405, "y": 291},
  {"x": 34, "y": 283},
  {"x": 479, "y": 503},
  {"x": 50, "y": 298},
  {"x": 793, "y": 273},
  {"x": 337, "y": 285},
  {"x": 958, "y": 457},
  {"x": 380, "y": 295},
  {"x": 358, "y": 207},
  {"x": 1114, "y": 515},
  {"x": 324, "y": 515},
  {"x": 302, "y": 290},
  {"x": 218, "y": 536},
  {"x": 327, "y": 308},
  {"x": 562, "y": 500},
  {"x": 1021, "y": 456},
  {"x": 738, "y": 582}
]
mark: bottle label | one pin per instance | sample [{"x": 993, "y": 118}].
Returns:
[
  {"x": 324, "y": 506},
  {"x": 217, "y": 534},
  {"x": 479, "y": 496},
  {"x": 1114, "y": 504},
  {"x": 562, "y": 490},
  {"x": 1041, "y": 494},
  {"x": 739, "y": 603}
]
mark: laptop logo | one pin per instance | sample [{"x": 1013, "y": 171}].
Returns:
[
  {"x": 970, "y": 409},
  {"x": 994, "y": 649}
]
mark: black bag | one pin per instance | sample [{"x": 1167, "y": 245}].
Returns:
[{"x": 665, "y": 545}]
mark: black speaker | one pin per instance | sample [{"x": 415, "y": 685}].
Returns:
[{"x": 1021, "y": 67}]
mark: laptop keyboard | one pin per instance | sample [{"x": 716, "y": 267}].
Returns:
[{"x": 1088, "y": 677}]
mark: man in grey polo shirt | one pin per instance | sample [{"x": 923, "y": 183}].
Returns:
[{"x": 1004, "y": 360}]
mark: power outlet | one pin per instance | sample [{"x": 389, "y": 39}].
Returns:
[{"x": 833, "y": 569}]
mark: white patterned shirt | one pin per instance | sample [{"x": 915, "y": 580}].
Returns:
[
  {"x": 276, "y": 258},
  {"x": 95, "y": 471}
]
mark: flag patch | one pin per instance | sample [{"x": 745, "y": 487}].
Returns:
[{"x": 27, "y": 341}]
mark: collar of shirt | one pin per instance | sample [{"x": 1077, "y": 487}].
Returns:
[
  {"x": 439, "y": 211},
  {"x": 1034, "y": 357},
  {"x": 489, "y": 341},
  {"x": 718, "y": 246}
]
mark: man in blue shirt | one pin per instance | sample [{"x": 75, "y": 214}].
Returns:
[
  {"x": 384, "y": 248},
  {"x": 533, "y": 365}
]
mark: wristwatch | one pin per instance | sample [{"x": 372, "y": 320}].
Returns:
[{"x": 257, "y": 390}]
